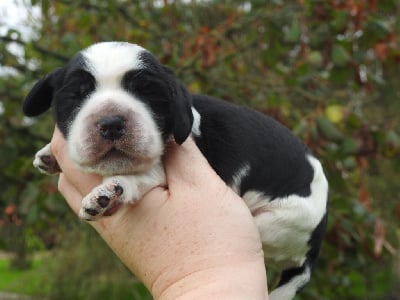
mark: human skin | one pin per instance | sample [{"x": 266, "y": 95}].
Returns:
[{"x": 193, "y": 239}]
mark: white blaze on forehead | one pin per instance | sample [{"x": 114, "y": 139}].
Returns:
[{"x": 109, "y": 61}]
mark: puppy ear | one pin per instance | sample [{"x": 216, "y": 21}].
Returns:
[
  {"x": 39, "y": 98},
  {"x": 180, "y": 109}
]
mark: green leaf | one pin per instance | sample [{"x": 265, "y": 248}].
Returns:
[
  {"x": 377, "y": 29},
  {"x": 315, "y": 58},
  {"x": 301, "y": 128},
  {"x": 68, "y": 38},
  {"x": 393, "y": 138},
  {"x": 340, "y": 76},
  {"x": 293, "y": 33},
  {"x": 328, "y": 130},
  {"x": 349, "y": 146},
  {"x": 340, "y": 56},
  {"x": 350, "y": 163},
  {"x": 340, "y": 20},
  {"x": 319, "y": 36}
]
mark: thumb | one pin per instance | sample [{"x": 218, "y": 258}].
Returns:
[{"x": 186, "y": 164}]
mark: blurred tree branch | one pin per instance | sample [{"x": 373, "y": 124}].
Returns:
[{"x": 36, "y": 47}]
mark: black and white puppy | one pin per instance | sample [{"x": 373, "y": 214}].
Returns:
[{"x": 117, "y": 106}]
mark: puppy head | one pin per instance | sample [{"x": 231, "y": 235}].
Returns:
[{"x": 116, "y": 106}]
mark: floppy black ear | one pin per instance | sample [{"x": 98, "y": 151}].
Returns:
[
  {"x": 180, "y": 109},
  {"x": 39, "y": 98}
]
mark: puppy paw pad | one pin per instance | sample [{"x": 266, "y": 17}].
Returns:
[
  {"x": 103, "y": 201},
  {"x": 91, "y": 212}
]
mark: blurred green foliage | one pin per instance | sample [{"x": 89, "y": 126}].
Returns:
[{"x": 329, "y": 70}]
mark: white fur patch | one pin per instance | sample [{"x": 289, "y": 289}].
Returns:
[
  {"x": 238, "y": 177},
  {"x": 285, "y": 224},
  {"x": 196, "y": 123},
  {"x": 109, "y": 61}
]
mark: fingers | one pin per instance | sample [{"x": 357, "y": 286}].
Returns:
[
  {"x": 58, "y": 147},
  {"x": 83, "y": 182},
  {"x": 69, "y": 192}
]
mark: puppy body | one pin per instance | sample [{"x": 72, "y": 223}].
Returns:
[
  {"x": 281, "y": 182},
  {"x": 118, "y": 107}
]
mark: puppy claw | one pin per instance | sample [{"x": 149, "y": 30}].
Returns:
[{"x": 118, "y": 190}]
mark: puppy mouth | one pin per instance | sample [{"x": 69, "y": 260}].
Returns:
[
  {"x": 115, "y": 160},
  {"x": 104, "y": 153},
  {"x": 114, "y": 154},
  {"x": 117, "y": 154}
]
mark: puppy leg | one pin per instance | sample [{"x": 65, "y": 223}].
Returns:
[
  {"x": 45, "y": 162},
  {"x": 105, "y": 199},
  {"x": 107, "y": 196},
  {"x": 292, "y": 281},
  {"x": 286, "y": 226}
]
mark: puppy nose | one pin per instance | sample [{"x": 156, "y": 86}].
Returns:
[{"x": 112, "y": 127}]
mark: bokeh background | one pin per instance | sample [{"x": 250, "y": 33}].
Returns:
[{"x": 329, "y": 70}]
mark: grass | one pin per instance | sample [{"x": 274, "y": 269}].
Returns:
[
  {"x": 82, "y": 267},
  {"x": 44, "y": 280},
  {"x": 25, "y": 282}
]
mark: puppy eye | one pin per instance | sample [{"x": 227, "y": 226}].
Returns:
[
  {"x": 85, "y": 88},
  {"x": 144, "y": 84},
  {"x": 82, "y": 84}
]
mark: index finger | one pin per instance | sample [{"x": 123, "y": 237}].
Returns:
[
  {"x": 70, "y": 193},
  {"x": 83, "y": 182}
]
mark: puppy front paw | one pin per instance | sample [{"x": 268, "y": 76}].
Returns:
[
  {"x": 104, "y": 200},
  {"x": 45, "y": 162}
]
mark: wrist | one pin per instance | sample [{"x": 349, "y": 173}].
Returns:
[{"x": 229, "y": 279}]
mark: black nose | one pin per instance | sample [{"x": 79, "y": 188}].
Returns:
[{"x": 112, "y": 128}]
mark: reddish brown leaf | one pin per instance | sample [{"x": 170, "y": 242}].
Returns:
[
  {"x": 372, "y": 5},
  {"x": 398, "y": 210},
  {"x": 363, "y": 198},
  {"x": 10, "y": 209},
  {"x": 205, "y": 29},
  {"x": 362, "y": 163},
  {"x": 381, "y": 50},
  {"x": 51, "y": 189}
]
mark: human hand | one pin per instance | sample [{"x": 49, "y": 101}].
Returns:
[{"x": 192, "y": 240}]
